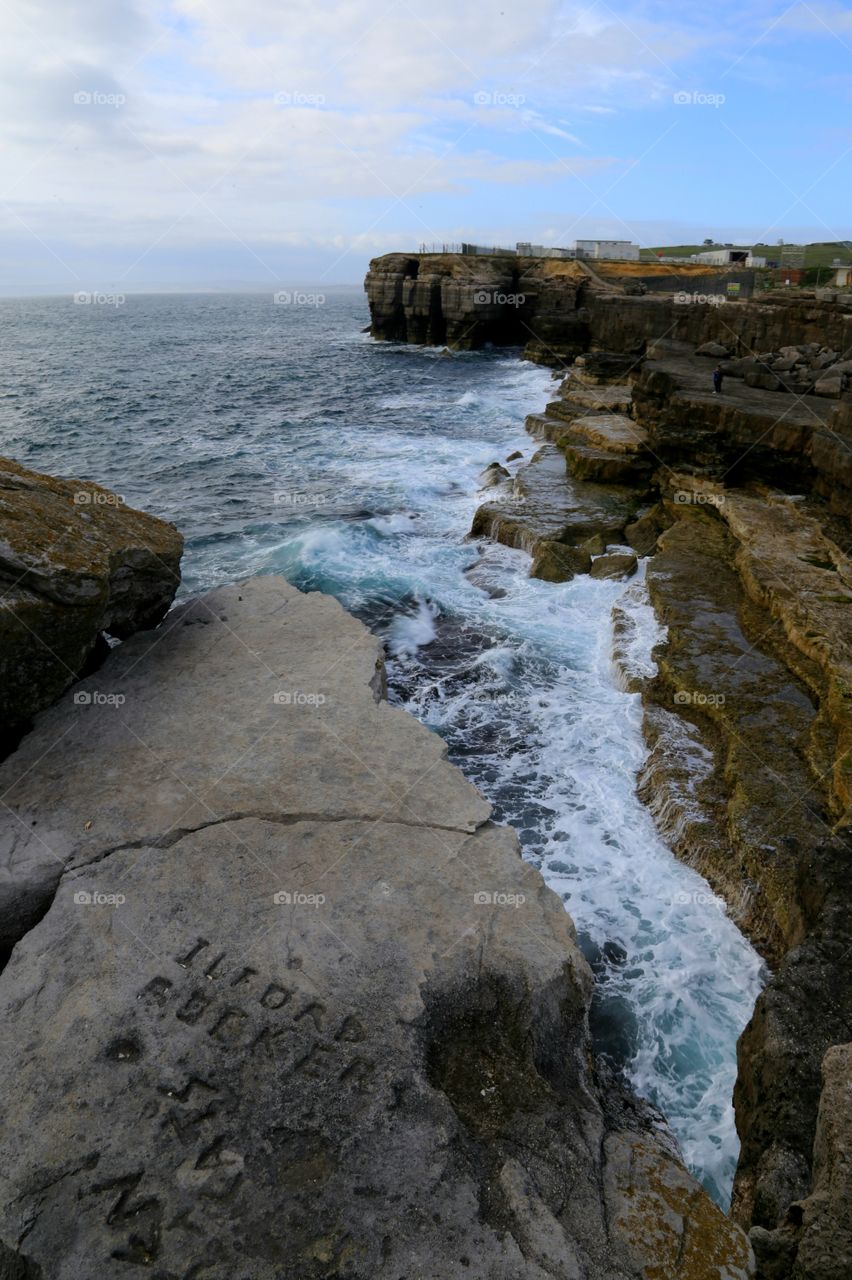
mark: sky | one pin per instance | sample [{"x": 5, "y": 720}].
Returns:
[{"x": 181, "y": 144}]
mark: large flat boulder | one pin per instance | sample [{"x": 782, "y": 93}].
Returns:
[
  {"x": 145, "y": 750},
  {"x": 298, "y": 1010},
  {"x": 75, "y": 562}
]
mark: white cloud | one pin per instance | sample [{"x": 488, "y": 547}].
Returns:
[{"x": 176, "y": 138}]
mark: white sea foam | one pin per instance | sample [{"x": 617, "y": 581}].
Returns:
[
  {"x": 408, "y": 632},
  {"x": 638, "y": 632},
  {"x": 398, "y": 522}
]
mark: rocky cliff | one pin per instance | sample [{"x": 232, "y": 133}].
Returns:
[
  {"x": 466, "y": 302},
  {"x": 742, "y": 502},
  {"x": 556, "y": 309},
  {"x": 298, "y": 1009},
  {"x": 76, "y": 564}
]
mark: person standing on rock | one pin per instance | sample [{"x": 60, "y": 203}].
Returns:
[{"x": 717, "y": 379}]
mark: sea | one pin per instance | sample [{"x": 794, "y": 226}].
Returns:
[{"x": 281, "y": 438}]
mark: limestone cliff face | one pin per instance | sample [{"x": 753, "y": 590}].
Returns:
[
  {"x": 556, "y": 309},
  {"x": 302, "y": 1011},
  {"x": 465, "y": 302},
  {"x": 759, "y": 324}
]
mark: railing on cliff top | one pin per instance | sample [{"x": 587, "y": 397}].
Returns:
[
  {"x": 469, "y": 250},
  {"x": 523, "y": 249}
]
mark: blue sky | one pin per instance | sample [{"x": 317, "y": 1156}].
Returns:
[{"x": 203, "y": 143}]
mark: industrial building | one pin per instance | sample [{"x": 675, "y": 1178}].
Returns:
[
  {"x": 527, "y": 250},
  {"x": 607, "y": 249},
  {"x": 728, "y": 257}
]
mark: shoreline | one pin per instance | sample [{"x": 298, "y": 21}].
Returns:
[{"x": 758, "y": 673}]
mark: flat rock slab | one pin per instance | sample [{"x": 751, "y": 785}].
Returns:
[
  {"x": 227, "y": 1074},
  {"x": 543, "y": 427},
  {"x": 296, "y": 1009},
  {"x": 613, "y": 431},
  {"x": 286, "y": 718},
  {"x": 613, "y": 398}
]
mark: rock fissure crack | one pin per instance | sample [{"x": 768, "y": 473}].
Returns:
[{"x": 171, "y": 838}]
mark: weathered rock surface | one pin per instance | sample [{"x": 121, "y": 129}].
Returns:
[
  {"x": 467, "y": 301},
  {"x": 75, "y": 563},
  {"x": 815, "y": 1237},
  {"x": 546, "y": 509},
  {"x": 614, "y": 564},
  {"x": 567, "y": 508},
  {"x": 746, "y": 433},
  {"x": 298, "y": 1010}
]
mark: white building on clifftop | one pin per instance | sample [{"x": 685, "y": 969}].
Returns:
[
  {"x": 729, "y": 257},
  {"x": 607, "y": 249}
]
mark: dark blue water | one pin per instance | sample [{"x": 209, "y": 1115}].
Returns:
[{"x": 280, "y": 438}]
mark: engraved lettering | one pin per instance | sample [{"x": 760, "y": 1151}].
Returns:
[
  {"x": 210, "y": 971},
  {"x": 183, "y": 1095},
  {"x": 184, "y": 1125},
  {"x": 358, "y": 1070},
  {"x": 351, "y": 1030},
  {"x": 314, "y": 1011},
  {"x": 247, "y": 973},
  {"x": 195, "y": 1006},
  {"x": 158, "y": 990},
  {"x": 274, "y": 996},
  {"x": 312, "y": 1063},
  {"x": 229, "y": 1025},
  {"x": 265, "y": 1040},
  {"x": 186, "y": 961}
]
